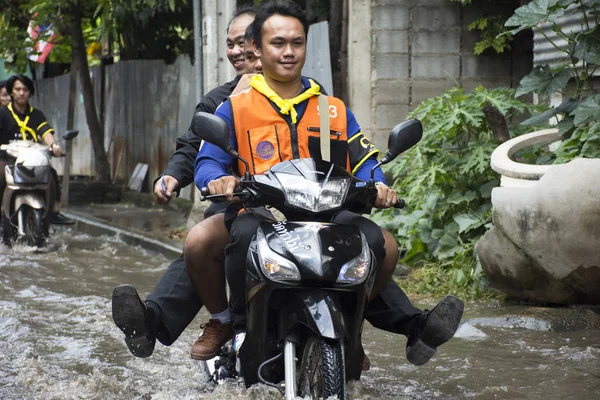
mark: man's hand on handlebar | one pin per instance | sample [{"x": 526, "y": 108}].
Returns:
[
  {"x": 224, "y": 185},
  {"x": 56, "y": 150},
  {"x": 386, "y": 197}
]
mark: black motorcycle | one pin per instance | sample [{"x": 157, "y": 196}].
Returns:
[{"x": 307, "y": 281}]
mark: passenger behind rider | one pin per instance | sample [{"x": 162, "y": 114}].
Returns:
[
  {"x": 279, "y": 34},
  {"x": 20, "y": 121},
  {"x": 4, "y": 96},
  {"x": 173, "y": 303}
]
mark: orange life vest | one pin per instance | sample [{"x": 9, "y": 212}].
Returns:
[{"x": 264, "y": 138}]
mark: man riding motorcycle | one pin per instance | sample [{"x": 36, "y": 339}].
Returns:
[
  {"x": 173, "y": 303},
  {"x": 276, "y": 120},
  {"x": 20, "y": 121}
]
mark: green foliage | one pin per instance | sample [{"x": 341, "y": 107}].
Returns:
[
  {"x": 490, "y": 28},
  {"x": 577, "y": 116},
  {"x": 534, "y": 13},
  {"x": 544, "y": 81},
  {"x": 154, "y": 29},
  {"x": 461, "y": 277},
  {"x": 446, "y": 181}
]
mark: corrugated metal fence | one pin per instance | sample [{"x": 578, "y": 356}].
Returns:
[
  {"x": 148, "y": 105},
  {"x": 544, "y": 51}
]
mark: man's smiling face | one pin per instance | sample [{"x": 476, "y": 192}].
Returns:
[{"x": 235, "y": 41}]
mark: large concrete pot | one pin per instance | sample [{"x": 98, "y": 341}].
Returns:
[{"x": 545, "y": 242}]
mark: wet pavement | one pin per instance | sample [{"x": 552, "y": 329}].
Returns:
[
  {"x": 159, "y": 228},
  {"x": 58, "y": 341}
]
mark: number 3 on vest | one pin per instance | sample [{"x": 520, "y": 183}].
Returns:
[{"x": 332, "y": 111}]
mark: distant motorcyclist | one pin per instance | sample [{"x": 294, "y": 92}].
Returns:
[
  {"x": 272, "y": 122},
  {"x": 20, "y": 121},
  {"x": 4, "y": 96}
]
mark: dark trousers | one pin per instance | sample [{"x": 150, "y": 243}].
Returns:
[
  {"x": 176, "y": 297},
  {"x": 390, "y": 311},
  {"x": 175, "y": 294},
  {"x": 3, "y": 164}
]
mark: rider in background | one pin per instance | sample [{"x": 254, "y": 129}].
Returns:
[
  {"x": 20, "y": 121},
  {"x": 4, "y": 96}
]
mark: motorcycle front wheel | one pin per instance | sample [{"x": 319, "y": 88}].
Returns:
[
  {"x": 321, "y": 369},
  {"x": 33, "y": 226}
]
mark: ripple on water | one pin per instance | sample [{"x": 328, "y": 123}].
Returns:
[{"x": 37, "y": 379}]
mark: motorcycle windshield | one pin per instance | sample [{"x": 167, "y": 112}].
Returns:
[{"x": 312, "y": 185}]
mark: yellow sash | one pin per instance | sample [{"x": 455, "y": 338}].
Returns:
[
  {"x": 23, "y": 128},
  {"x": 286, "y": 106}
]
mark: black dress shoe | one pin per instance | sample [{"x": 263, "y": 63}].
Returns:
[
  {"x": 433, "y": 329},
  {"x": 135, "y": 319},
  {"x": 59, "y": 219}
]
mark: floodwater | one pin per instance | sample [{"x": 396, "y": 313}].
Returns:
[{"x": 58, "y": 340}]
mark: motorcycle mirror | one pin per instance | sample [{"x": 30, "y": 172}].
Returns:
[
  {"x": 403, "y": 137},
  {"x": 70, "y": 135},
  {"x": 214, "y": 130},
  {"x": 211, "y": 129}
]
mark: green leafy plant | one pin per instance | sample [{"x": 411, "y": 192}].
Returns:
[
  {"x": 577, "y": 117},
  {"x": 446, "y": 181},
  {"x": 490, "y": 28},
  {"x": 489, "y": 25}
]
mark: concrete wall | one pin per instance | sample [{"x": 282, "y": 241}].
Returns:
[
  {"x": 402, "y": 52},
  {"x": 215, "y": 17}
]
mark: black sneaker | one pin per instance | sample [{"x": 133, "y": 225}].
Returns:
[
  {"x": 136, "y": 319},
  {"x": 433, "y": 329},
  {"x": 60, "y": 219}
]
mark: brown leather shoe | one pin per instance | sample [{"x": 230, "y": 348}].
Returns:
[{"x": 215, "y": 335}]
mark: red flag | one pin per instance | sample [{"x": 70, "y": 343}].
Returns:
[{"x": 41, "y": 48}]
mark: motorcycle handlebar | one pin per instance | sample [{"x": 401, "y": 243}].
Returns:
[
  {"x": 400, "y": 204},
  {"x": 205, "y": 192}
]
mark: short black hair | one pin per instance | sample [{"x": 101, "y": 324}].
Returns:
[
  {"x": 3, "y": 84},
  {"x": 250, "y": 10},
  {"x": 286, "y": 9},
  {"x": 248, "y": 35},
  {"x": 21, "y": 78}
]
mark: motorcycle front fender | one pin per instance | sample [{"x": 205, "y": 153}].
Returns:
[
  {"x": 318, "y": 311},
  {"x": 33, "y": 200}
]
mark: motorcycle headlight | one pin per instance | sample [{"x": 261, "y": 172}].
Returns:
[
  {"x": 315, "y": 196},
  {"x": 272, "y": 264},
  {"x": 356, "y": 270}
]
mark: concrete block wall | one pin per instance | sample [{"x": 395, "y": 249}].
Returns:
[{"x": 416, "y": 50}]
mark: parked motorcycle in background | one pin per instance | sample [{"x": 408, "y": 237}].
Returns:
[
  {"x": 308, "y": 281},
  {"x": 26, "y": 200}
]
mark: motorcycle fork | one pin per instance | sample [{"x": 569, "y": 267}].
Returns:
[{"x": 289, "y": 364}]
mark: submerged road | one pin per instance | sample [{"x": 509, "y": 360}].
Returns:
[{"x": 58, "y": 340}]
